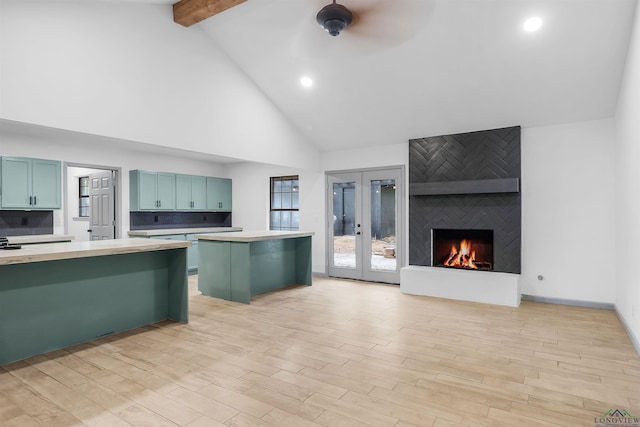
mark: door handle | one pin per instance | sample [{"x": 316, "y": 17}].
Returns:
[
  {"x": 357, "y": 233},
  {"x": 30, "y": 200},
  {"x": 34, "y": 201}
]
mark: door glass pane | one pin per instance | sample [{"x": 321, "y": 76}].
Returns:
[
  {"x": 344, "y": 214},
  {"x": 383, "y": 225}
]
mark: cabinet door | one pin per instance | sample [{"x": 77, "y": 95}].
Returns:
[
  {"x": 199, "y": 192},
  {"x": 218, "y": 194},
  {"x": 46, "y": 184},
  {"x": 16, "y": 183},
  {"x": 193, "y": 256},
  {"x": 183, "y": 192},
  {"x": 166, "y": 191},
  {"x": 147, "y": 189}
]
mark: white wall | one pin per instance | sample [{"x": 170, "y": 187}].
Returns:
[
  {"x": 126, "y": 70},
  {"x": 568, "y": 211},
  {"x": 628, "y": 188},
  {"x": 251, "y": 205}
]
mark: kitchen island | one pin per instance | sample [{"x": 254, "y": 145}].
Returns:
[
  {"x": 183, "y": 234},
  {"x": 59, "y": 294},
  {"x": 235, "y": 266}
]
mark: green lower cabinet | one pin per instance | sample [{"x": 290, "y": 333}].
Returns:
[
  {"x": 192, "y": 251},
  {"x": 193, "y": 254}
]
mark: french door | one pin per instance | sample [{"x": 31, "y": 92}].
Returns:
[{"x": 365, "y": 225}]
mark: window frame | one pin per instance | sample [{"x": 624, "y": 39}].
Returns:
[
  {"x": 277, "y": 209},
  {"x": 83, "y": 210}
]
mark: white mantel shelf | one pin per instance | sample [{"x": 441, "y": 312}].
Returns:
[{"x": 476, "y": 286}]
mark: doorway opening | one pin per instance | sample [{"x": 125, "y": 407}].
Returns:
[
  {"x": 365, "y": 224},
  {"x": 91, "y": 202}
]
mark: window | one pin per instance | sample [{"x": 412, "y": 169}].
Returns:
[
  {"x": 83, "y": 196},
  {"x": 284, "y": 213}
]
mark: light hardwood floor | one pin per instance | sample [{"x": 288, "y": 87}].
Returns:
[{"x": 339, "y": 353}]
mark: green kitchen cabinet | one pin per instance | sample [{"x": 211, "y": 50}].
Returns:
[
  {"x": 192, "y": 251},
  {"x": 218, "y": 194},
  {"x": 152, "y": 191},
  {"x": 191, "y": 192},
  {"x": 28, "y": 183}
]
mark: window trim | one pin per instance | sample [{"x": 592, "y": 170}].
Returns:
[
  {"x": 81, "y": 197},
  {"x": 294, "y": 190}
]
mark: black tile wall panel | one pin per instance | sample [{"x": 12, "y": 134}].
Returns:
[{"x": 491, "y": 154}]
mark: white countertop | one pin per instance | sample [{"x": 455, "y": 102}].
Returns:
[
  {"x": 171, "y": 231},
  {"x": 39, "y": 238},
  {"x": 253, "y": 236},
  {"x": 68, "y": 250}
]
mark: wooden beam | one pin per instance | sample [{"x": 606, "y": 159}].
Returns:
[{"x": 189, "y": 12}]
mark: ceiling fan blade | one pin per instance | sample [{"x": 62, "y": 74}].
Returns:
[
  {"x": 389, "y": 22},
  {"x": 377, "y": 25}
]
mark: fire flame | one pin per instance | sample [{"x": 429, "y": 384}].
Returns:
[{"x": 465, "y": 257}]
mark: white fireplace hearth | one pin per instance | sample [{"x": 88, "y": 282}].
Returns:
[{"x": 467, "y": 285}]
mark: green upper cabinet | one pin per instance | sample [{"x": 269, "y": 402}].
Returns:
[
  {"x": 191, "y": 192},
  {"x": 218, "y": 194},
  {"x": 154, "y": 191},
  {"x": 30, "y": 183}
]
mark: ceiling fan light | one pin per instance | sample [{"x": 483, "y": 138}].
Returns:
[
  {"x": 334, "y": 18},
  {"x": 334, "y": 26}
]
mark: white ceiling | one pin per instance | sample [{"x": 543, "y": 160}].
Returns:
[{"x": 414, "y": 68}]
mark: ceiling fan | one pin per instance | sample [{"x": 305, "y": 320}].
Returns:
[
  {"x": 384, "y": 21},
  {"x": 334, "y": 18}
]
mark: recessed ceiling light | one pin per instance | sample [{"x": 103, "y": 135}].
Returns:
[
  {"x": 306, "y": 81},
  {"x": 532, "y": 24}
]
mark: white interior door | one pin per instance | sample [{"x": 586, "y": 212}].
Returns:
[
  {"x": 364, "y": 225},
  {"x": 102, "y": 211}
]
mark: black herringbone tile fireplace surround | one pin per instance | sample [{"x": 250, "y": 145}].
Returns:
[{"x": 466, "y": 181}]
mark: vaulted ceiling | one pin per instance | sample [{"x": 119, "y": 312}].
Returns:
[{"x": 414, "y": 68}]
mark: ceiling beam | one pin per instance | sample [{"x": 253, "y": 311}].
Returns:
[{"x": 189, "y": 12}]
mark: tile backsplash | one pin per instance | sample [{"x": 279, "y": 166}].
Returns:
[
  {"x": 160, "y": 220},
  {"x": 22, "y": 223}
]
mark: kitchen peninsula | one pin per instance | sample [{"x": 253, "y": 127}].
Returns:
[
  {"x": 235, "y": 266},
  {"x": 59, "y": 294}
]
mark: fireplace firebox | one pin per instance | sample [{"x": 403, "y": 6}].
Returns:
[{"x": 460, "y": 248}]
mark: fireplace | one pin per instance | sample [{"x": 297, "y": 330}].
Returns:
[{"x": 462, "y": 248}]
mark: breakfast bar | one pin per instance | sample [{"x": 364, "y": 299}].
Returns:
[
  {"x": 235, "y": 266},
  {"x": 59, "y": 294}
]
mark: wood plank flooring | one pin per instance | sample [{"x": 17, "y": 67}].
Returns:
[{"x": 339, "y": 353}]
